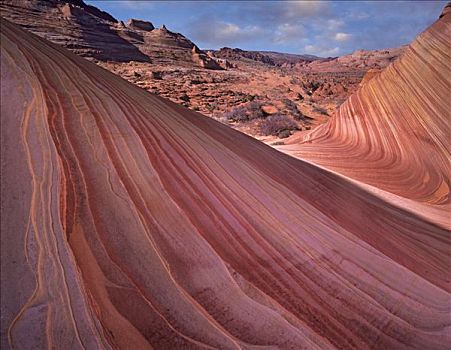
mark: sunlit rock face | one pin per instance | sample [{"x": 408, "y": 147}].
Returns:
[{"x": 130, "y": 222}]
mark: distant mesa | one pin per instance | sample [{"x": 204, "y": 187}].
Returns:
[
  {"x": 236, "y": 54},
  {"x": 271, "y": 58},
  {"x": 375, "y": 59}
]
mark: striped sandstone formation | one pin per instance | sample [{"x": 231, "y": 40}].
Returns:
[
  {"x": 395, "y": 132},
  {"x": 129, "y": 222}
]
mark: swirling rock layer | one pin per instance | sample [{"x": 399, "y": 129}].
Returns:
[
  {"x": 130, "y": 222},
  {"x": 395, "y": 132}
]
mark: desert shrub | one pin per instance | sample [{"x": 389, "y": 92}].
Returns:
[
  {"x": 278, "y": 143},
  {"x": 156, "y": 75},
  {"x": 185, "y": 98},
  {"x": 210, "y": 107},
  {"x": 245, "y": 113},
  {"x": 315, "y": 86},
  {"x": 320, "y": 110},
  {"x": 255, "y": 110},
  {"x": 293, "y": 109},
  {"x": 289, "y": 104},
  {"x": 238, "y": 114},
  {"x": 277, "y": 123},
  {"x": 284, "y": 134},
  {"x": 247, "y": 98},
  {"x": 299, "y": 116}
]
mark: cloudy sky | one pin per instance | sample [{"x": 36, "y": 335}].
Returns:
[{"x": 307, "y": 27}]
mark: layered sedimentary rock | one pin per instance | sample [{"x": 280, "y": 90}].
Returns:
[
  {"x": 360, "y": 60},
  {"x": 140, "y": 25},
  {"x": 81, "y": 28},
  {"x": 94, "y": 34},
  {"x": 394, "y": 133},
  {"x": 266, "y": 57},
  {"x": 131, "y": 222},
  {"x": 204, "y": 60}
]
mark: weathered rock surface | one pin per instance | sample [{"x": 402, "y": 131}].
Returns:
[
  {"x": 83, "y": 29},
  {"x": 267, "y": 57},
  {"x": 131, "y": 222},
  {"x": 203, "y": 60},
  {"x": 237, "y": 54},
  {"x": 95, "y": 34},
  {"x": 360, "y": 60},
  {"x": 140, "y": 25},
  {"x": 394, "y": 133}
]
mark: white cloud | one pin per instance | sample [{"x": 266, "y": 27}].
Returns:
[
  {"x": 221, "y": 33},
  {"x": 342, "y": 36},
  {"x": 332, "y": 24},
  {"x": 357, "y": 16},
  {"x": 228, "y": 31},
  {"x": 303, "y": 9},
  {"x": 133, "y": 5},
  {"x": 321, "y": 50},
  {"x": 287, "y": 32}
]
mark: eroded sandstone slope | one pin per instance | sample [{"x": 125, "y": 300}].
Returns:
[
  {"x": 131, "y": 222},
  {"x": 395, "y": 132}
]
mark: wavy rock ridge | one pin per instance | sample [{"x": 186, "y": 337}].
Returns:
[
  {"x": 130, "y": 222},
  {"x": 394, "y": 133}
]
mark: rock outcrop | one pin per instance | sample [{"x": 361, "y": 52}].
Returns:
[
  {"x": 138, "y": 24},
  {"x": 94, "y": 34},
  {"x": 237, "y": 54},
  {"x": 267, "y": 57},
  {"x": 83, "y": 29},
  {"x": 374, "y": 59},
  {"x": 394, "y": 133},
  {"x": 360, "y": 60},
  {"x": 203, "y": 60},
  {"x": 131, "y": 222}
]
